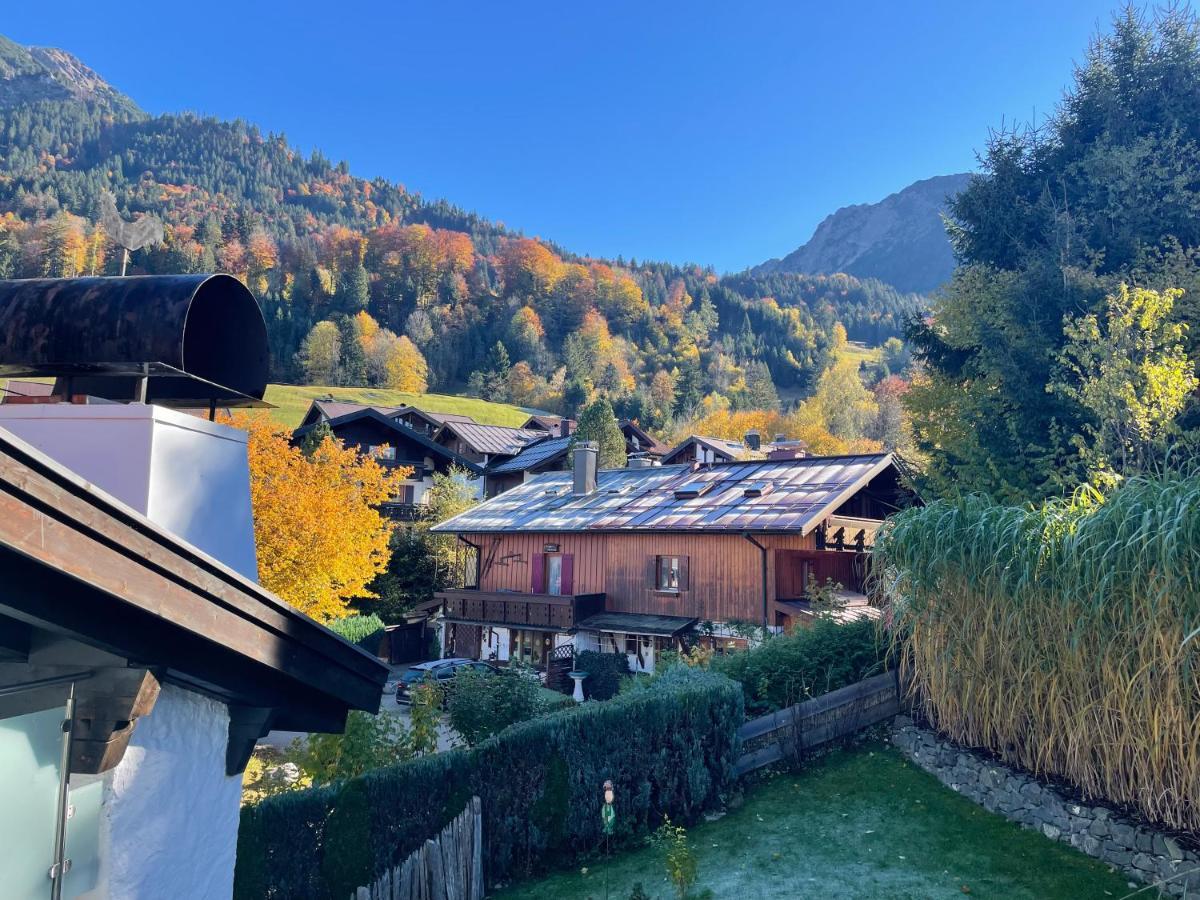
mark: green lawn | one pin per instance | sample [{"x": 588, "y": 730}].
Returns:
[
  {"x": 856, "y": 824},
  {"x": 292, "y": 402},
  {"x": 860, "y": 353}
]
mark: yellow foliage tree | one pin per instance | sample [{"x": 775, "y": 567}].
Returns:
[
  {"x": 320, "y": 537},
  {"x": 406, "y": 367}
]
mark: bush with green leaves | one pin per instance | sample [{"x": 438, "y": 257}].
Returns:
[
  {"x": 484, "y": 703},
  {"x": 540, "y": 783},
  {"x": 605, "y": 672},
  {"x": 366, "y": 631},
  {"x": 790, "y": 668},
  {"x": 370, "y": 741},
  {"x": 679, "y": 858}
]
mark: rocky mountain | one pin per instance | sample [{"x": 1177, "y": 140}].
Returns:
[
  {"x": 900, "y": 240},
  {"x": 32, "y": 74}
]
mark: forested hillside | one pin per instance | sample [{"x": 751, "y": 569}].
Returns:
[{"x": 366, "y": 282}]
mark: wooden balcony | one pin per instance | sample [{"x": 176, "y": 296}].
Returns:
[{"x": 549, "y": 611}]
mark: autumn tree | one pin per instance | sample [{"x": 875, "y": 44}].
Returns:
[
  {"x": 406, "y": 367},
  {"x": 522, "y": 384},
  {"x": 320, "y": 537},
  {"x": 321, "y": 354},
  {"x": 1130, "y": 371},
  {"x": 526, "y": 334},
  {"x": 421, "y": 561}
]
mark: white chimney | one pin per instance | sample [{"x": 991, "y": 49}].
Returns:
[{"x": 184, "y": 473}]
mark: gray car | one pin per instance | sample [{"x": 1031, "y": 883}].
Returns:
[{"x": 441, "y": 670}]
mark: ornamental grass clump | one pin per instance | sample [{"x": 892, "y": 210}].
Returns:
[{"x": 1058, "y": 636}]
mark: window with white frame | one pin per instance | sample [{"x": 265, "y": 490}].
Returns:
[{"x": 671, "y": 573}]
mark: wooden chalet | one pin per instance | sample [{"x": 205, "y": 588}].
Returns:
[
  {"x": 417, "y": 419},
  {"x": 634, "y": 559},
  {"x": 486, "y": 444},
  {"x": 700, "y": 449},
  {"x": 557, "y": 426},
  {"x": 640, "y": 444},
  {"x": 550, "y": 454},
  {"x": 394, "y": 443}
]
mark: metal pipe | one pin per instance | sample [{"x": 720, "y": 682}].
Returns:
[
  {"x": 207, "y": 326},
  {"x": 58, "y": 871},
  {"x": 766, "y": 602}
]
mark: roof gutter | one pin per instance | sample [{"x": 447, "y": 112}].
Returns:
[{"x": 763, "y": 554}]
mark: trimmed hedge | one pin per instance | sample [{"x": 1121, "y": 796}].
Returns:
[
  {"x": 791, "y": 668},
  {"x": 366, "y": 631},
  {"x": 669, "y": 750},
  {"x": 605, "y": 671}
]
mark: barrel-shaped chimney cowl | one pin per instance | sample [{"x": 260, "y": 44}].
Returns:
[{"x": 105, "y": 332}]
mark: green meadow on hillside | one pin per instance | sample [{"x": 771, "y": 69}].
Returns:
[{"x": 292, "y": 401}]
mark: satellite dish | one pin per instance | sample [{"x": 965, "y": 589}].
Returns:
[{"x": 142, "y": 232}]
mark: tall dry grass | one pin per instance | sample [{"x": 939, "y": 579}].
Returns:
[{"x": 1058, "y": 636}]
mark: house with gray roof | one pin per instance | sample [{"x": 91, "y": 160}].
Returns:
[{"x": 639, "y": 560}]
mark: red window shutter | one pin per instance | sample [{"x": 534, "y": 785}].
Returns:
[
  {"x": 568, "y": 573},
  {"x": 683, "y": 573},
  {"x": 654, "y": 571},
  {"x": 538, "y": 581}
]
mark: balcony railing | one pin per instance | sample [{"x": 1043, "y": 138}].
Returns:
[{"x": 561, "y": 613}]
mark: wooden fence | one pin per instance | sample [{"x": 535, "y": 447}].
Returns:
[
  {"x": 448, "y": 867},
  {"x": 787, "y": 733}
]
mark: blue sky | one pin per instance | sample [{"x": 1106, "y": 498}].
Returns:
[{"x": 718, "y": 133}]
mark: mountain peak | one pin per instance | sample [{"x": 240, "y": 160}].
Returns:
[
  {"x": 30, "y": 74},
  {"x": 900, "y": 240}
]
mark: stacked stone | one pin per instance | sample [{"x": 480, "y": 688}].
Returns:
[{"x": 1146, "y": 855}]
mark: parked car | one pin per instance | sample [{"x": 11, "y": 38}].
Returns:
[{"x": 441, "y": 670}]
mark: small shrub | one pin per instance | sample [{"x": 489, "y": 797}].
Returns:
[
  {"x": 605, "y": 672},
  {"x": 787, "y": 669},
  {"x": 483, "y": 704},
  {"x": 678, "y": 857},
  {"x": 365, "y": 631}
]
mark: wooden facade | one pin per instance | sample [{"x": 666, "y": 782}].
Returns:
[{"x": 724, "y": 571}]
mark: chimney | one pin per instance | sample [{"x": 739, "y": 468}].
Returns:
[
  {"x": 586, "y": 454},
  {"x": 140, "y": 345},
  {"x": 753, "y": 440},
  {"x": 187, "y": 475},
  {"x": 641, "y": 462},
  {"x": 564, "y": 427}
]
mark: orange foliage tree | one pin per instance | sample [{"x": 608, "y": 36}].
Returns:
[{"x": 320, "y": 537}]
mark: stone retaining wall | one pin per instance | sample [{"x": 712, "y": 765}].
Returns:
[{"x": 1147, "y": 856}]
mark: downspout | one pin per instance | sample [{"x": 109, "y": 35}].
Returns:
[{"x": 766, "y": 603}]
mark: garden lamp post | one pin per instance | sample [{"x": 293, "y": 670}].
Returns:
[{"x": 608, "y": 818}]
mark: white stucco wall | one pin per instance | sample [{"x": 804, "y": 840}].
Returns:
[{"x": 170, "y": 813}]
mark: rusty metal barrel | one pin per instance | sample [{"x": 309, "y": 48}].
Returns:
[{"x": 105, "y": 333}]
